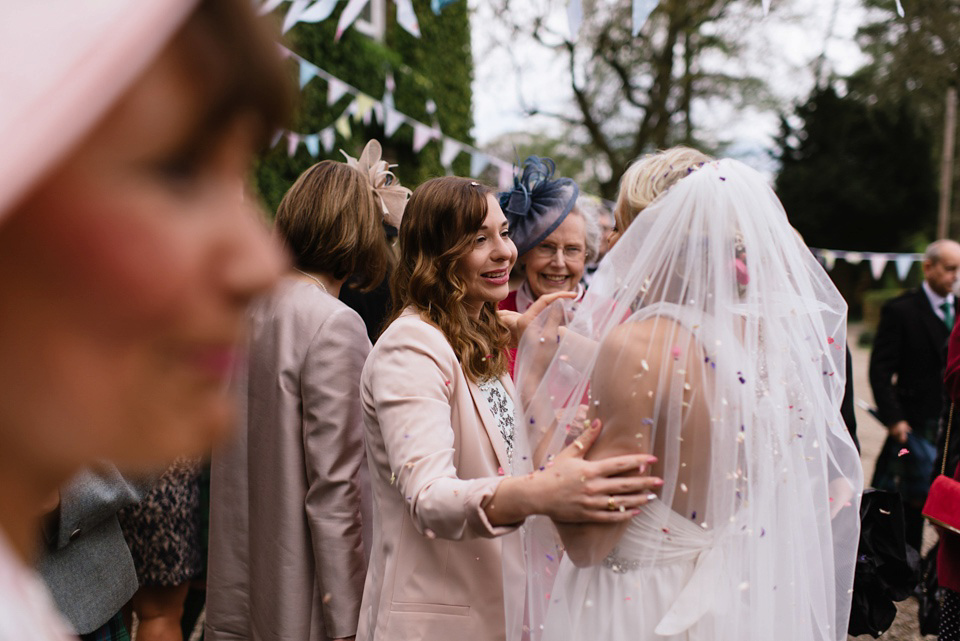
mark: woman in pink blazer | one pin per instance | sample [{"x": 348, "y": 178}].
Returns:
[
  {"x": 438, "y": 414},
  {"x": 286, "y": 550}
]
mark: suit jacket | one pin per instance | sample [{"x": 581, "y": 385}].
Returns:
[
  {"x": 910, "y": 344},
  {"x": 286, "y": 557},
  {"x": 435, "y": 455},
  {"x": 87, "y": 564}
]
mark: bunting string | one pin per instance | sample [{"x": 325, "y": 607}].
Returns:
[
  {"x": 364, "y": 107},
  {"x": 878, "y": 261}
]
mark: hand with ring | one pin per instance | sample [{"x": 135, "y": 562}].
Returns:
[{"x": 612, "y": 504}]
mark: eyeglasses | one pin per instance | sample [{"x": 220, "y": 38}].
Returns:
[{"x": 549, "y": 250}]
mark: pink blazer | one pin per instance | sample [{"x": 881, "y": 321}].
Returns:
[
  {"x": 287, "y": 496},
  {"x": 436, "y": 455}
]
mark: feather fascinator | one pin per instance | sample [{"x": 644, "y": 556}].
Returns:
[
  {"x": 538, "y": 203},
  {"x": 392, "y": 196}
]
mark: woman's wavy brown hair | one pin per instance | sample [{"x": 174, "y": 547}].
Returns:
[{"x": 438, "y": 229}]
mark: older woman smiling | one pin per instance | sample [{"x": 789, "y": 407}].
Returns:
[{"x": 555, "y": 238}]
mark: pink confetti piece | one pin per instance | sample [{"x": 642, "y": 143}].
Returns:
[
  {"x": 676, "y": 353},
  {"x": 830, "y": 340},
  {"x": 903, "y": 452},
  {"x": 500, "y": 471}
]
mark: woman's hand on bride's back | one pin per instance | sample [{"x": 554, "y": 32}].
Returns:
[{"x": 574, "y": 490}]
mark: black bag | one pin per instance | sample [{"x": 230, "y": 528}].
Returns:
[
  {"x": 887, "y": 568},
  {"x": 928, "y": 599}
]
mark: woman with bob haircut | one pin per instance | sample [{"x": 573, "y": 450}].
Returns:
[
  {"x": 128, "y": 253},
  {"x": 286, "y": 524},
  {"x": 438, "y": 412}
]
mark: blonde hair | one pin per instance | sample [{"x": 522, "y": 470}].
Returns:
[{"x": 649, "y": 177}]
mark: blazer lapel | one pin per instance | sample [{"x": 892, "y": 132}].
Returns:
[{"x": 490, "y": 424}]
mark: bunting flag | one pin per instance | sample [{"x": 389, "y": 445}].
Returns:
[
  {"x": 276, "y": 138},
  {"x": 342, "y": 125},
  {"x": 854, "y": 258},
  {"x": 352, "y": 11},
  {"x": 270, "y": 5},
  {"x": 451, "y": 149},
  {"x": 365, "y": 107},
  {"x": 829, "y": 259},
  {"x": 899, "y": 9},
  {"x": 438, "y": 5},
  {"x": 406, "y": 17},
  {"x": 293, "y": 141},
  {"x": 641, "y": 11},
  {"x": 766, "y": 6},
  {"x": 392, "y": 119},
  {"x": 318, "y": 11},
  {"x": 421, "y": 136},
  {"x": 308, "y": 72},
  {"x": 312, "y": 143},
  {"x": 293, "y": 14},
  {"x": 878, "y": 263},
  {"x": 505, "y": 175},
  {"x": 904, "y": 262},
  {"x": 328, "y": 137},
  {"x": 336, "y": 89},
  {"x": 478, "y": 162},
  {"x": 574, "y": 18}
]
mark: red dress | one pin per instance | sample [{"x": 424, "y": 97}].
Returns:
[
  {"x": 510, "y": 304},
  {"x": 948, "y": 557}
]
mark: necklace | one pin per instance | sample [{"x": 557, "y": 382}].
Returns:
[{"x": 314, "y": 279}]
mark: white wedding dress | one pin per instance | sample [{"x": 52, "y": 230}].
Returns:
[
  {"x": 666, "y": 587},
  {"x": 712, "y": 332}
]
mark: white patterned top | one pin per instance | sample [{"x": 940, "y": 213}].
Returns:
[{"x": 501, "y": 406}]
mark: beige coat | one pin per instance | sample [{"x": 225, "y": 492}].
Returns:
[
  {"x": 435, "y": 454},
  {"x": 286, "y": 557}
]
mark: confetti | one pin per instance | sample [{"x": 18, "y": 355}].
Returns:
[
  {"x": 647, "y": 421},
  {"x": 500, "y": 470},
  {"x": 676, "y": 353},
  {"x": 430, "y": 534},
  {"x": 744, "y": 586},
  {"x": 327, "y": 597},
  {"x": 829, "y": 340},
  {"x": 903, "y": 452},
  {"x": 643, "y": 364},
  {"x": 549, "y": 558},
  {"x": 683, "y": 487}
]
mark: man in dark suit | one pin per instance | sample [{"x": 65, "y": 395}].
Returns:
[{"x": 906, "y": 374}]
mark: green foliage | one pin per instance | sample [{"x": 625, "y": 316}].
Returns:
[
  {"x": 437, "y": 66},
  {"x": 856, "y": 176}
]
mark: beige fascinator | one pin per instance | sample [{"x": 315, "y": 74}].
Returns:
[{"x": 393, "y": 197}]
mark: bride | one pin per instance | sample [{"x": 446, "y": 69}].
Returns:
[{"x": 713, "y": 339}]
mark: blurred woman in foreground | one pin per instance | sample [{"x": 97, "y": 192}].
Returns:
[{"x": 128, "y": 253}]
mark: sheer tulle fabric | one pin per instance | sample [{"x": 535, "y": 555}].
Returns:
[{"x": 712, "y": 338}]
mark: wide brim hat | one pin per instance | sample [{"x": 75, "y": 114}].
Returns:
[{"x": 63, "y": 65}]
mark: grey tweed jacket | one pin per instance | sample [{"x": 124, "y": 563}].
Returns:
[{"x": 86, "y": 562}]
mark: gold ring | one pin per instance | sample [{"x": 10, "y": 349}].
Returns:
[{"x": 611, "y": 504}]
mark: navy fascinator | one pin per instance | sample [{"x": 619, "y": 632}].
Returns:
[{"x": 537, "y": 204}]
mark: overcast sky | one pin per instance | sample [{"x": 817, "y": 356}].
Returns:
[{"x": 782, "y": 47}]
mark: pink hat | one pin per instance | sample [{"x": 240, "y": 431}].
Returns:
[{"x": 63, "y": 64}]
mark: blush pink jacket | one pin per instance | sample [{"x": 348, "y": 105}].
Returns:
[{"x": 436, "y": 456}]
